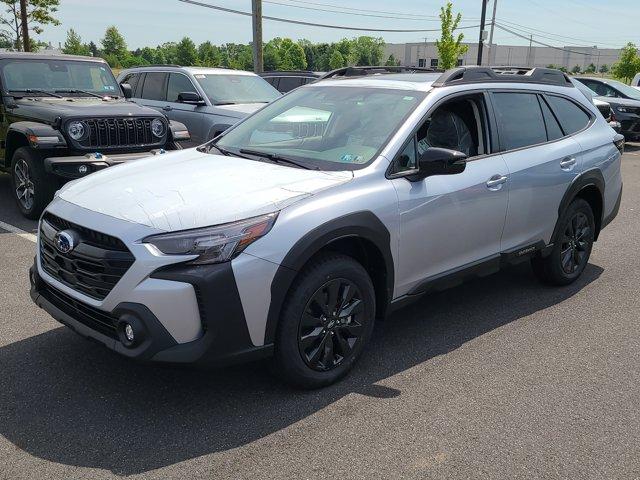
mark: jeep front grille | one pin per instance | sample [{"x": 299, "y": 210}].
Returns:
[
  {"x": 125, "y": 132},
  {"x": 93, "y": 267}
]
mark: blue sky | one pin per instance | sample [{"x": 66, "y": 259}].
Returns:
[{"x": 607, "y": 23}]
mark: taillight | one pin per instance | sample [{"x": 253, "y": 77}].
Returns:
[{"x": 618, "y": 141}]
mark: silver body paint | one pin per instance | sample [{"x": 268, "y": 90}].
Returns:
[{"x": 435, "y": 225}]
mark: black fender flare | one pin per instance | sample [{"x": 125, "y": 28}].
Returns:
[
  {"x": 20, "y": 134},
  {"x": 588, "y": 178},
  {"x": 364, "y": 225}
]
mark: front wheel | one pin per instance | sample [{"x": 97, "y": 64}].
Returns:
[
  {"x": 572, "y": 247},
  {"x": 33, "y": 188},
  {"x": 326, "y": 321}
]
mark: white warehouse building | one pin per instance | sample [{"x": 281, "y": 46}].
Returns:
[{"x": 425, "y": 54}]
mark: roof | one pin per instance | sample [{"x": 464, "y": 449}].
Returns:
[
  {"x": 192, "y": 70},
  {"x": 41, "y": 56},
  {"x": 291, "y": 73}
]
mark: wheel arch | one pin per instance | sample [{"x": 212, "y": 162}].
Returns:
[
  {"x": 360, "y": 235},
  {"x": 590, "y": 187},
  {"x": 15, "y": 140}
]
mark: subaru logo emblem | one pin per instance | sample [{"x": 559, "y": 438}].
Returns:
[{"x": 65, "y": 241}]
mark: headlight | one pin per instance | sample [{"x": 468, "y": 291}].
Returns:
[
  {"x": 77, "y": 130},
  {"x": 158, "y": 128},
  {"x": 622, "y": 109},
  {"x": 214, "y": 244}
]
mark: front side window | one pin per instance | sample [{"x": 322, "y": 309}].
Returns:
[
  {"x": 519, "y": 119},
  {"x": 332, "y": 128},
  {"x": 229, "y": 89},
  {"x": 61, "y": 76},
  {"x": 571, "y": 117},
  {"x": 178, "y": 83},
  {"x": 154, "y": 86}
]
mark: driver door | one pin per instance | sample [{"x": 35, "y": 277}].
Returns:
[{"x": 450, "y": 222}]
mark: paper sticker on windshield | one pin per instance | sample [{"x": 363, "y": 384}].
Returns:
[
  {"x": 111, "y": 88},
  {"x": 408, "y": 98},
  {"x": 199, "y": 75},
  {"x": 350, "y": 158}
]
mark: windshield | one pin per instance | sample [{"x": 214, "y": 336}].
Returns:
[
  {"x": 58, "y": 75},
  {"x": 230, "y": 89},
  {"x": 625, "y": 89},
  {"x": 332, "y": 128}
]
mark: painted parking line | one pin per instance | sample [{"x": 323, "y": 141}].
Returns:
[{"x": 18, "y": 231}]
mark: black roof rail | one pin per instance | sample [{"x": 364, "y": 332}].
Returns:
[
  {"x": 374, "y": 70},
  {"x": 473, "y": 74},
  {"x": 156, "y": 65}
]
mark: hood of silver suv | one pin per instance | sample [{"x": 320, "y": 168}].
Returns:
[{"x": 190, "y": 189}]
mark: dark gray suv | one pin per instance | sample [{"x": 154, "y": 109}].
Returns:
[{"x": 206, "y": 100}]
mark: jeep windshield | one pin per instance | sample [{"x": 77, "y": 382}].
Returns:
[
  {"x": 231, "y": 89},
  {"x": 325, "y": 127},
  {"x": 51, "y": 77}
]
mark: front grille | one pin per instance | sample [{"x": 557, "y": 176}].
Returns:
[
  {"x": 93, "y": 267},
  {"x": 126, "y": 132},
  {"x": 93, "y": 318}
]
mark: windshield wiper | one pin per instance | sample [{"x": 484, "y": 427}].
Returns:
[
  {"x": 75, "y": 90},
  {"x": 34, "y": 90},
  {"x": 276, "y": 158},
  {"x": 225, "y": 103}
]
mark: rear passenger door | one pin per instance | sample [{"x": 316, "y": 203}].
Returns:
[{"x": 543, "y": 160}]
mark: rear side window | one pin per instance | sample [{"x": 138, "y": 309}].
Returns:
[
  {"x": 554, "y": 132},
  {"x": 154, "y": 86},
  {"x": 132, "y": 79},
  {"x": 178, "y": 83},
  {"x": 289, "y": 83},
  {"x": 571, "y": 117},
  {"x": 519, "y": 119}
]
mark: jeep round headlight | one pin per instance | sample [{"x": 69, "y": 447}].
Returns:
[
  {"x": 77, "y": 130},
  {"x": 158, "y": 128}
]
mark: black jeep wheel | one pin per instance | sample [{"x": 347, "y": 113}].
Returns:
[
  {"x": 572, "y": 246},
  {"x": 326, "y": 321},
  {"x": 33, "y": 188}
]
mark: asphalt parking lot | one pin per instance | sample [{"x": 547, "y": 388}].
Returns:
[{"x": 498, "y": 378}]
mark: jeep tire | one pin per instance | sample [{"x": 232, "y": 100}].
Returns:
[
  {"x": 32, "y": 187},
  {"x": 326, "y": 321}
]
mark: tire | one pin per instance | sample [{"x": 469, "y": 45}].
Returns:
[
  {"x": 32, "y": 188},
  {"x": 572, "y": 247},
  {"x": 314, "y": 347}
]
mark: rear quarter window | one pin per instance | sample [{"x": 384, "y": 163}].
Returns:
[{"x": 572, "y": 118}]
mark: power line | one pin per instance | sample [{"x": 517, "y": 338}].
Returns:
[
  {"x": 300, "y": 22},
  {"x": 365, "y": 10}
]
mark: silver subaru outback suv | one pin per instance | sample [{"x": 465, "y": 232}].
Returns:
[{"x": 291, "y": 233}]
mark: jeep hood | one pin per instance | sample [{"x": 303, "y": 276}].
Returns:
[
  {"x": 191, "y": 189},
  {"x": 48, "y": 108}
]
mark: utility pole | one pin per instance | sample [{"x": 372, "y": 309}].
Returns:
[
  {"x": 530, "y": 59},
  {"x": 482, "y": 31},
  {"x": 493, "y": 24},
  {"x": 25, "y": 26},
  {"x": 256, "y": 8}
]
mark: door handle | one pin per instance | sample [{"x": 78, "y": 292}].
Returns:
[
  {"x": 167, "y": 108},
  {"x": 568, "y": 163},
  {"x": 495, "y": 182}
]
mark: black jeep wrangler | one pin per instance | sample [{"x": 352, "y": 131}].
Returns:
[{"x": 64, "y": 117}]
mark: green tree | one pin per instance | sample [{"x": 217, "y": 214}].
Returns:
[
  {"x": 74, "y": 46},
  {"x": 237, "y": 56},
  {"x": 366, "y": 51},
  {"x": 391, "y": 61},
  {"x": 450, "y": 48},
  {"x": 629, "y": 63},
  {"x": 604, "y": 69},
  {"x": 287, "y": 54},
  {"x": 186, "y": 52},
  {"x": 209, "y": 55},
  {"x": 575, "y": 70},
  {"x": 39, "y": 14},
  {"x": 337, "y": 60},
  {"x": 590, "y": 69},
  {"x": 93, "y": 48},
  {"x": 113, "y": 44}
]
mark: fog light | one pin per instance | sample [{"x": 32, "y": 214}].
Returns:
[{"x": 128, "y": 333}]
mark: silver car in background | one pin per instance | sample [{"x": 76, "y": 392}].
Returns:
[{"x": 206, "y": 100}]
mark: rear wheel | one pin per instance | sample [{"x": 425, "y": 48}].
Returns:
[
  {"x": 572, "y": 247},
  {"x": 33, "y": 188},
  {"x": 326, "y": 321}
]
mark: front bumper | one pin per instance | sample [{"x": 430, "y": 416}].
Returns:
[
  {"x": 79, "y": 166},
  {"x": 225, "y": 339}
]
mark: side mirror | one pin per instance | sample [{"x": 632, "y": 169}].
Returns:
[
  {"x": 440, "y": 161},
  {"x": 191, "y": 98},
  {"x": 127, "y": 91}
]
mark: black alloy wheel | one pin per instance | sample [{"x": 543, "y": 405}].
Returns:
[
  {"x": 331, "y": 326},
  {"x": 576, "y": 243}
]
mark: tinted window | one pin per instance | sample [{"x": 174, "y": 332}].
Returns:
[
  {"x": 553, "y": 127},
  {"x": 153, "y": 88},
  {"x": 407, "y": 160},
  {"x": 520, "y": 120},
  {"x": 178, "y": 83},
  {"x": 289, "y": 83},
  {"x": 132, "y": 79},
  {"x": 572, "y": 118}
]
